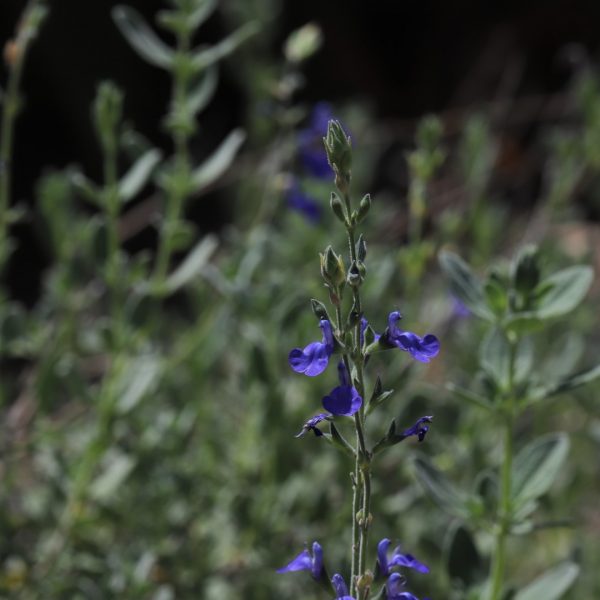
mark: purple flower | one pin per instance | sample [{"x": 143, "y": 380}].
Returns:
[
  {"x": 310, "y": 142},
  {"x": 397, "y": 560},
  {"x": 341, "y": 589},
  {"x": 312, "y": 423},
  {"x": 343, "y": 373},
  {"x": 343, "y": 400},
  {"x": 314, "y": 359},
  {"x": 421, "y": 349},
  {"x": 394, "y": 588},
  {"x": 459, "y": 308},
  {"x": 418, "y": 428},
  {"x": 299, "y": 201},
  {"x": 307, "y": 562}
]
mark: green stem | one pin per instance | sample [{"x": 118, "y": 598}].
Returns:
[
  {"x": 179, "y": 185},
  {"x": 362, "y": 472},
  {"x": 10, "y": 111},
  {"x": 112, "y": 239},
  {"x": 505, "y": 505}
]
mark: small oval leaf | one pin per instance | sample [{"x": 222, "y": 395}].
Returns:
[{"x": 536, "y": 466}]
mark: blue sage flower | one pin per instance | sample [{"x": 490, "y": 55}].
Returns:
[
  {"x": 395, "y": 588},
  {"x": 343, "y": 400},
  {"x": 314, "y": 359},
  {"x": 310, "y": 142},
  {"x": 420, "y": 348},
  {"x": 307, "y": 562},
  {"x": 418, "y": 429},
  {"x": 397, "y": 559},
  {"x": 340, "y": 587},
  {"x": 302, "y": 203},
  {"x": 311, "y": 425}
]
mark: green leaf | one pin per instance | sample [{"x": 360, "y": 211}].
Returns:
[
  {"x": 137, "y": 176},
  {"x": 536, "y": 467},
  {"x": 465, "y": 285},
  {"x": 139, "y": 380},
  {"x": 201, "y": 95},
  {"x": 193, "y": 263},
  {"x": 206, "y": 57},
  {"x": 85, "y": 188},
  {"x": 212, "y": 168},
  {"x": 495, "y": 357},
  {"x": 469, "y": 396},
  {"x": 439, "y": 488},
  {"x": 566, "y": 384},
  {"x": 552, "y": 584},
  {"x": 462, "y": 557},
  {"x": 117, "y": 469},
  {"x": 565, "y": 290},
  {"x": 142, "y": 39}
]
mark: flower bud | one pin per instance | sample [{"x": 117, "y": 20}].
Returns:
[
  {"x": 332, "y": 267},
  {"x": 303, "y": 43},
  {"x": 319, "y": 310},
  {"x": 354, "y": 277},
  {"x": 339, "y": 154},
  {"x": 337, "y": 207},
  {"x": 107, "y": 109},
  {"x": 361, "y": 248},
  {"x": 363, "y": 209}
]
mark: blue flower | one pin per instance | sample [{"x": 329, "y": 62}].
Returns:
[
  {"x": 299, "y": 201},
  {"x": 418, "y": 428},
  {"x": 312, "y": 423},
  {"x": 314, "y": 359},
  {"x": 310, "y": 142},
  {"x": 421, "y": 349},
  {"x": 397, "y": 560},
  {"x": 341, "y": 589},
  {"x": 307, "y": 562},
  {"x": 394, "y": 588},
  {"x": 343, "y": 400}
]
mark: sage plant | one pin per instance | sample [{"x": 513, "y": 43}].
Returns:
[
  {"x": 350, "y": 340},
  {"x": 515, "y": 303}
]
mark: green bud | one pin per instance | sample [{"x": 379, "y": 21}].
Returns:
[
  {"x": 339, "y": 154},
  {"x": 361, "y": 248},
  {"x": 303, "y": 43},
  {"x": 362, "y": 269},
  {"x": 319, "y": 310},
  {"x": 354, "y": 277},
  {"x": 107, "y": 112},
  {"x": 363, "y": 209},
  {"x": 337, "y": 207},
  {"x": 332, "y": 267}
]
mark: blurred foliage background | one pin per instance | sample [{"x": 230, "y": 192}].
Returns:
[{"x": 148, "y": 417}]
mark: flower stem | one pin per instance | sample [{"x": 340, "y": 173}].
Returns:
[{"x": 361, "y": 518}]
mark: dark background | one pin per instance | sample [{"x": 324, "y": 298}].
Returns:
[{"x": 404, "y": 58}]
